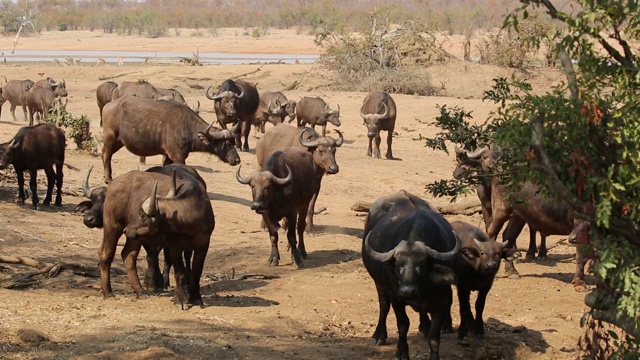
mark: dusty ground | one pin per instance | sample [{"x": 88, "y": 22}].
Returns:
[{"x": 328, "y": 310}]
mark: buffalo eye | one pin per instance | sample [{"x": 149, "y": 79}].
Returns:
[
  {"x": 321, "y": 152},
  {"x": 418, "y": 270}
]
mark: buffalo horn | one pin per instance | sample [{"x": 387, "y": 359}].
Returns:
[
  {"x": 386, "y": 111},
  {"x": 478, "y": 242},
  {"x": 327, "y": 109},
  {"x": 458, "y": 150},
  {"x": 381, "y": 257},
  {"x": 362, "y": 115},
  {"x": 305, "y": 143},
  {"x": 441, "y": 256},
  {"x": 85, "y": 184},
  {"x": 235, "y": 128},
  {"x": 174, "y": 188},
  {"x": 338, "y": 111},
  {"x": 208, "y": 128},
  {"x": 241, "y": 95},
  {"x": 12, "y": 143},
  {"x": 340, "y": 138},
  {"x": 242, "y": 180},
  {"x": 63, "y": 82},
  {"x": 214, "y": 98},
  {"x": 283, "y": 181},
  {"x": 505, "y": 244},
  {"x": 477, "y": 154},
  {"x": 150, "y": 206}
]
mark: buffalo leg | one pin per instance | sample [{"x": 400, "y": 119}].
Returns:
[
  {"x": 478, "y": 324},
  {"x": 376, "y": 150},
  {"x": 21, "y": 194},
  {"x": 425, "y": 323},
  {"x": 301, "y": 227},
  {"x": 310, "y": 211},
  {"x": 168, "y": 263},
  {"x": 59, "y": 178},
  {"x": 370, "y": 148},
  {"x": 199, "y": 256},
  {"x": 51, "y": 180},
  {"x": 153, "y": 280},
  {"x": 33, "y": 184},
  {"x": 497, "y": 221},
  {"x": 466, "y": 317},
  {"x": 142, "y": 160},
  {"x": 434, "y": 333},
  {"x": 531, "y": 251},
  {"x": 402, "y": 320},
  {"x": 581, "y": 262},
  {"x": 246, "y": 130},
  {"x": 129, "y": 255},
  {"x": 291, "y": 238},
  {"x": 106, "y": 254},
  {"x": 31, "y": 111},
  {"x": 24, "y": 111},
  {"x": 110, "y": 147},
  {"x": 12, "y": 109},
  {"x": 389, "y": 140},
  {"x": 379, "y": 336},
  {"x": 274, "y": 258},
  {"x": 180, "y": 298},
  {"x": 324, "y": 130},
  {"x": 542, "y": 253}
]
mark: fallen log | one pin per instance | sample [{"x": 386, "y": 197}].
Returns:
[{"x": 447, "y": 209}]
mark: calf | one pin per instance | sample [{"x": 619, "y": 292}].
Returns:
[
  {"x": 376, "y": 122},
  {"x": 16, "y": 93},
  {"x": 315, "y": 111},
  {"x": 283, "y": 188},
  {"x": 475, "y": 267},
  {"x": 40, "y": 100},
  {"x": 32, "y": 148}
]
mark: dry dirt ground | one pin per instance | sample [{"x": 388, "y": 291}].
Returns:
[{"x": 328, "y": 310}]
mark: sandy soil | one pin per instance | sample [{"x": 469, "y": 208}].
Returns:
[{"x": 328, "y": 310}]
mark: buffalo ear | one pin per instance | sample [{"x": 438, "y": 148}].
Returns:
[
  {"x": 441, "y": 275},
  {"x": 204, "y": 138},
  {"x": 470, "y": 253},
  {"x": 83, "y": 206}
]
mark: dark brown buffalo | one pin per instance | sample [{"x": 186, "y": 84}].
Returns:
[
  {"x": 104, "y": 95},
  {"x": 236, "y": 101},
  {"x": 314, "y": 111},
  {"x": 158, "y": 211},
  {"x": 141, "y": 88},
  {"x": 407, "y": 249},
  {"x": 32, "y": 148},
  {"x": 528, "y": 205},
  {"x": 475, "y": 267},
  {"x": 322, "y": 149},
  {"x": 93, "y": 210},
  {"x": 40, "y": 100},
  {"x": 482, "y": 159},
  {"x": 148, "y": 127},
  {"x": 172, "y": 94},
  {"x": 269, "y": 110},
  {"x": 281, "y": 189},
  {"x": 379, "y": 114},
  {"x": 60, "y": 88},
  {"x": 16, "y": 92}
]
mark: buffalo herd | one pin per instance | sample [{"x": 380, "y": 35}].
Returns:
[{"x": 412, "y": 253}]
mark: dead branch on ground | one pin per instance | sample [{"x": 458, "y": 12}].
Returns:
[{"x": 249, "y": 73}]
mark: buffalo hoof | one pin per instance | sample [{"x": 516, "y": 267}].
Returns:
[
  {"x": 514, "y": 276},
  {"x": 142, "y": 296},
  {"x": 579, "y": 285},
  {"x": 530, "y": 256},
  {"x": 273, "y": 262},
  {"x": 182, "y": 307},
  {"x": 20, "y": 201},
  {"x": 378, "y": 342},
  {"x": 197, "y": 302},
  {"x": 446, "y": 329}
]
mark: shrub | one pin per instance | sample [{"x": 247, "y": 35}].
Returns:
[
  {"x": 255, "y": 33},
  {"x": 62, "y": 27},
  {"x": 77, "y": 128},
  {"x": 384, "y": 57}
]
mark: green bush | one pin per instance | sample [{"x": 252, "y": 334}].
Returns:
[
  {"x": 77, "y": 128},
  {"x": 62, "y": 27},
  {"x": 255, "y": 33}
]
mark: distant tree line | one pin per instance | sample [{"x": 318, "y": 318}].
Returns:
[{"x": 157, "y": 18}]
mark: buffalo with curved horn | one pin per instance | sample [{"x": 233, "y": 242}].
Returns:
[{"x": 376, "y": 122}]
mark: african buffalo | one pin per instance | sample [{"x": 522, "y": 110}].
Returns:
[
  {"x": 104, "y": 94},
  {"x": 32, "y": 148},
  {"x": 40, "y": 100},
  {"x": 323, "y": 150},
  {"x": 93, "y": 209},
  {"x": 181, "y": 220},
  {"x": 274, "y": 108},
  {"x": 148, "y": 127},
  {"x": 60, "y": 88},
  {"x": 173, "y": 94},
  {"x": 314, "y": 111},
  {"x": 407, "y": 248},
  {"x": 373, "y": 104},
  {"x": 542, "y": 214},
  {"x": 236, "y": 101},
  {"x": 16, "y": 92},
  {"x": 141, "y": 88},
  {"x": 281, "y": 189},
  {"x": 475, "y": 267}
]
